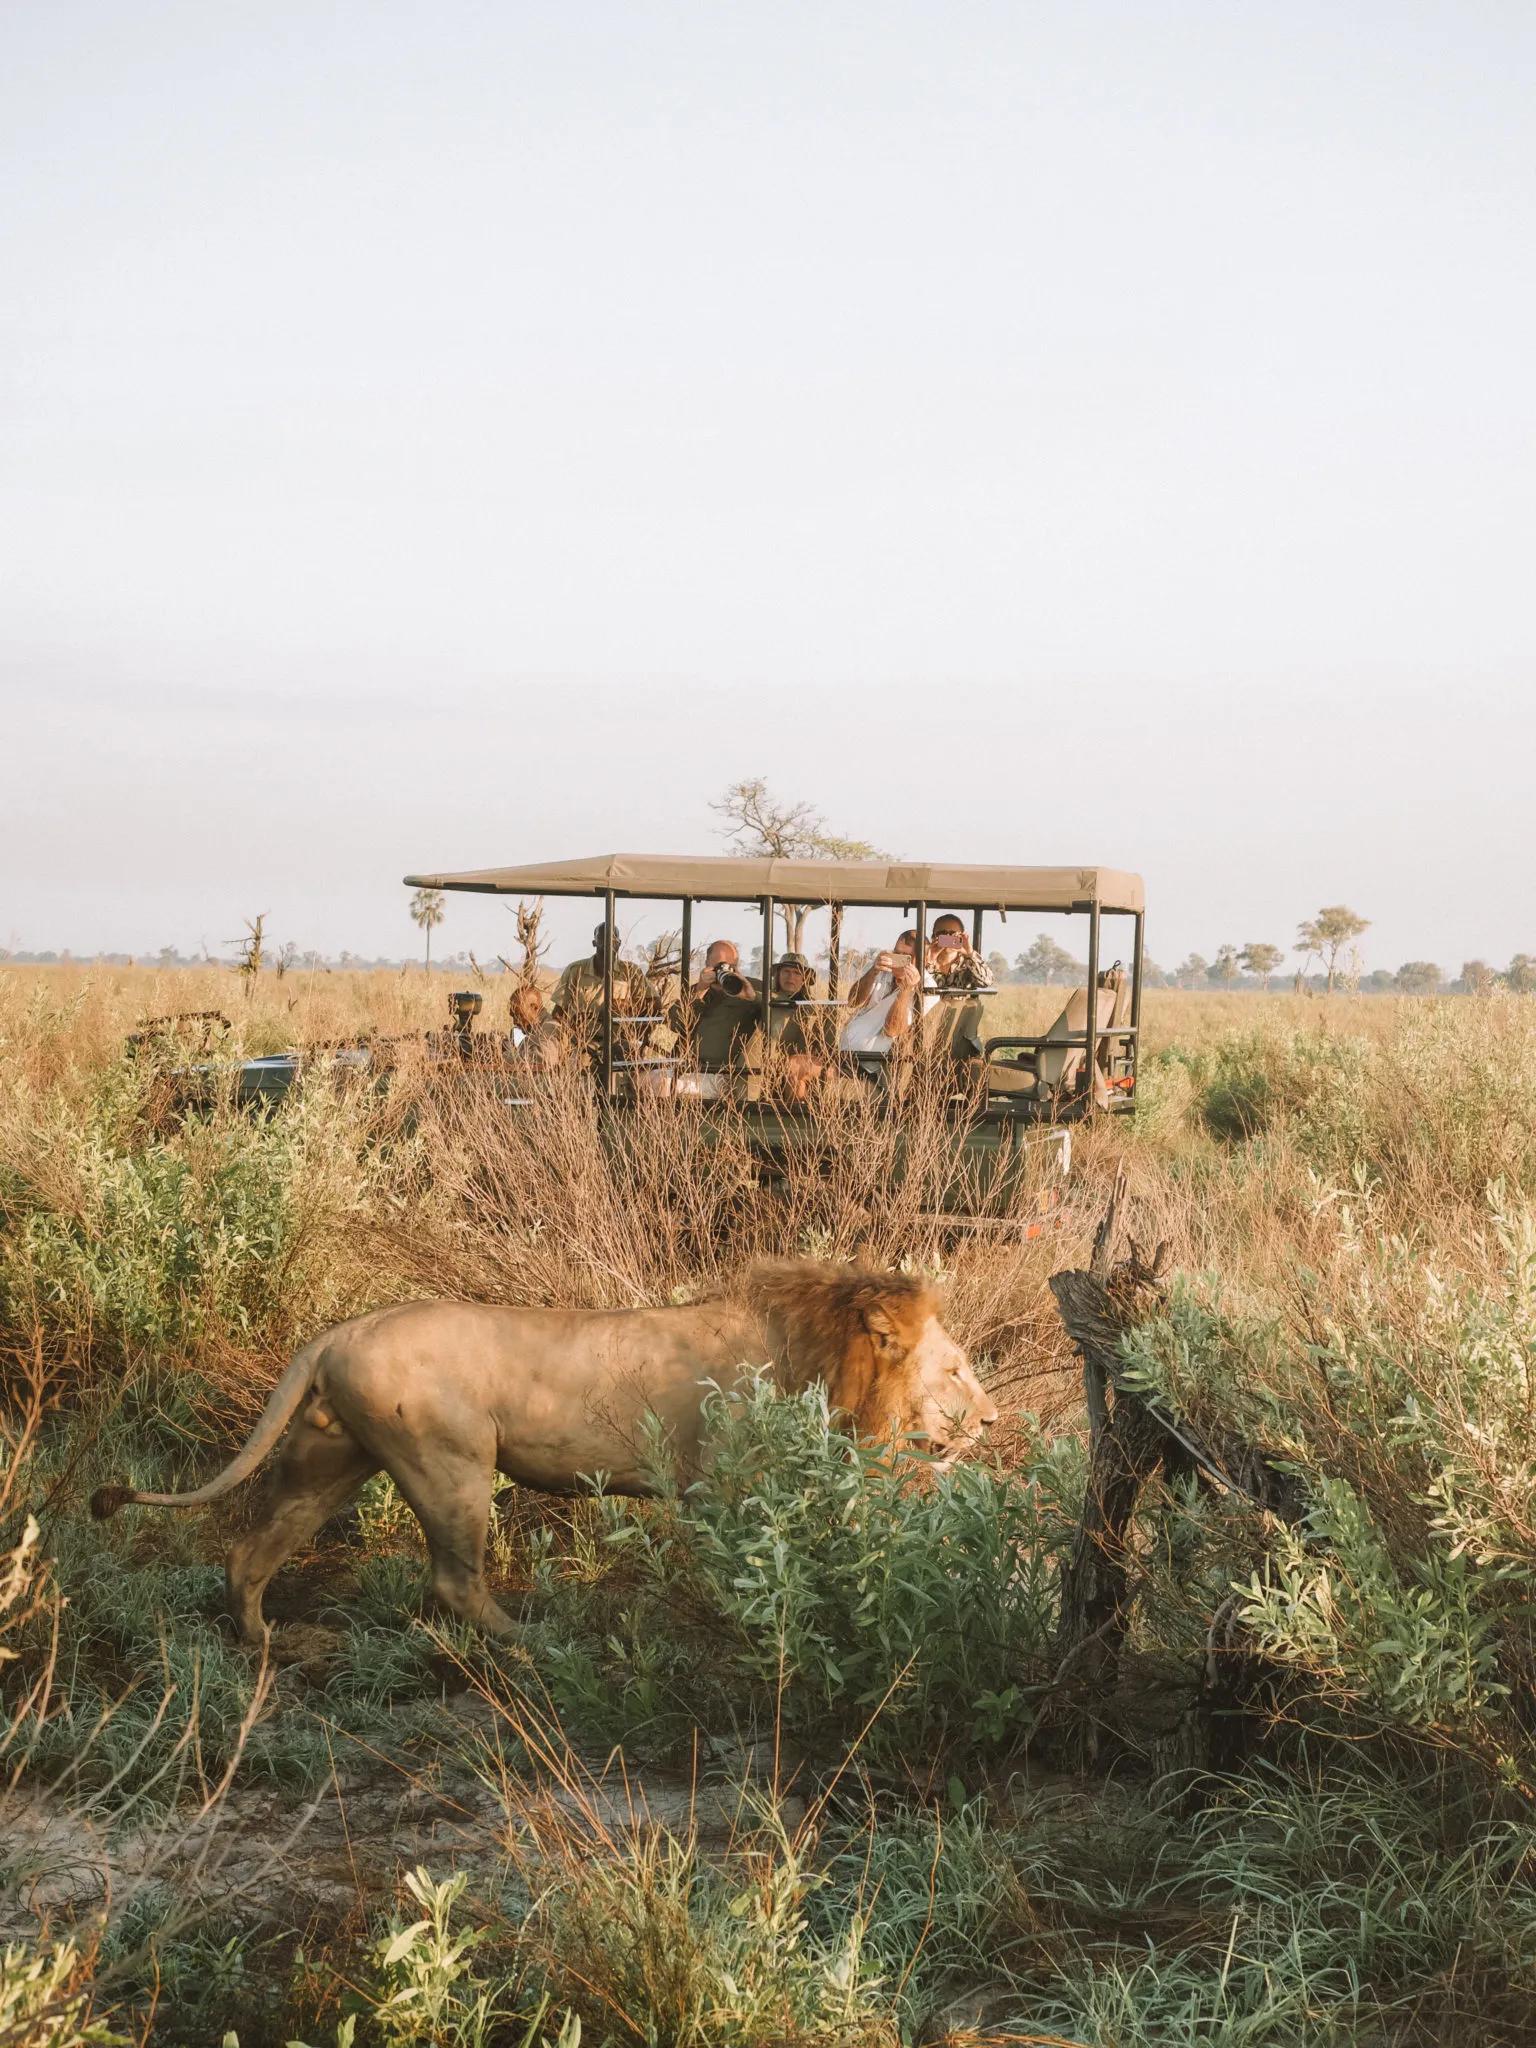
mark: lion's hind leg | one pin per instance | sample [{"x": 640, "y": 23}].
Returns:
[{"x": 318, "y": 1471}]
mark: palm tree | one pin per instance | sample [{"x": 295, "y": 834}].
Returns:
[{"x": 427, "y": 911}]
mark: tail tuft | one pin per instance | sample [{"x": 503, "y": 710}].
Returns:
[{"x": 106, "y": 1501}]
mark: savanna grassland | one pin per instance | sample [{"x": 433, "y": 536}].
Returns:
[{"x": 790, "y": 1755}]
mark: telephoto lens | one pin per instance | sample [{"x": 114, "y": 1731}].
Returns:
[{"x": 729, "y": 982}]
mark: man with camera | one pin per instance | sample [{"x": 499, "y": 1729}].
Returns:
[{"x": 714, "y": 1017}]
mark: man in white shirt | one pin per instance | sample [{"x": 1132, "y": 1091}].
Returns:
[{"x": 887, "y": 1000}]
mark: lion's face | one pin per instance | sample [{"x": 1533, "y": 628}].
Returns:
[{"x": 923, "y": 1386}]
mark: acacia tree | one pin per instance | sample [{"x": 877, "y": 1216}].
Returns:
[
  {"x": 1325, "y": 936},
  {"x": 1521, "y": 974},
  {"x": 1477, "y": 977},
  {"x": 1192, "y": 971},
  {"x": 1046, "y": 961},
  {"x": 1261, "y": 959},
  {"x": 759, "y": 824},
  {"x": 427, "y": 911},
  {"x": 1224, "y": 968},
  {"x": 1419, "y": 978}
]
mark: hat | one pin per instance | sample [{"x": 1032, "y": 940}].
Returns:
[{"x": 793, "y": 960}]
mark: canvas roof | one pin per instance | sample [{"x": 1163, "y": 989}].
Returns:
[{"x": 725, "y": 879}]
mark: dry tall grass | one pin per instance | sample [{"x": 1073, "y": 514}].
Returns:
[{"x": 76, "y": 1014}]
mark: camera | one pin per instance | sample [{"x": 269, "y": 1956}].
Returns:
[{"x": 729, "y": 982}]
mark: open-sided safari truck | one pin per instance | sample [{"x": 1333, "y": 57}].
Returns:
[{"x": 1016, "y": 1094}]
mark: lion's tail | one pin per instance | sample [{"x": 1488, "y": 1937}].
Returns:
[{"x": 275, "y": 1418}]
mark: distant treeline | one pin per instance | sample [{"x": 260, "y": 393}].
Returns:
[
  {"x": 287, "y": 959},
  {"x": 1044, "y": 964}
]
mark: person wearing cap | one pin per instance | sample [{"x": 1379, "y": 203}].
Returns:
[
  {"x": 792, "y": 1012},
  {"x": 797, "y": 1025}
]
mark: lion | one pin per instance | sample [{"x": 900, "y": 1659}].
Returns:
[{"x": 442, "y": 1395}]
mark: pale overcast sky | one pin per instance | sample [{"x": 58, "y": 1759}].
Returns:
[{"x": 435, "y": 436}]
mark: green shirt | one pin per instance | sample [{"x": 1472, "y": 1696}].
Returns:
[
  {"x": 711, "y": 1031},
  {"x": 795, "y": 1025}
]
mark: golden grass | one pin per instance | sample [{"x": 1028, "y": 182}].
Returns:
[{"x": 75, "y": 1015}]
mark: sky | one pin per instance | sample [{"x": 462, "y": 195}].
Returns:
[{"x": 437, "y": 437}]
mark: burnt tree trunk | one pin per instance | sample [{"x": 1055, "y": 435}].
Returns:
[{"x": 1131, "y": 1441}]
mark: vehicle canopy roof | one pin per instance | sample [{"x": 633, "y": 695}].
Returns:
[{"x": 723, "y": 878}]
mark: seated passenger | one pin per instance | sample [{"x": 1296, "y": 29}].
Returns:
[
  {"x": 712, "y": 1020},
  {"x": 798, "y": 1027},
  {"x": 952, "y": 958},
  {"x": 955, "y": 1028},
  {"x": 1055, "y": 1067},
  {"x": 887, "y": 999},
  {"x": 534, "y": 1039},
  {"x": 577, "y": 1004}
]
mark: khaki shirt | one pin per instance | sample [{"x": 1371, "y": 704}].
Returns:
[
  {"x": 580, "y": 988},
  {"x": 578, "y": 1004}
]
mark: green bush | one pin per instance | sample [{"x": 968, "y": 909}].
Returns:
[
  {"x": 45, "y": 1998},
  {"x": 838, "y": 1583},
  {"x": 154, "y": 1240},
  {"x": 1400, "y": 1396}
]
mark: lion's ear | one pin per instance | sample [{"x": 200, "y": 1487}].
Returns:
[{"x": 882, "y": 1327}]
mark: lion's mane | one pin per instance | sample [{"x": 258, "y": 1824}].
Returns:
[{"x": 847, "y": 1326}]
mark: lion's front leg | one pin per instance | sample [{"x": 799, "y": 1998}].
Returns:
[{"x": 450, "y": 1495}]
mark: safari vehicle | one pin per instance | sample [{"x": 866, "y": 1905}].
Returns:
[
  {"x": 1016, "y": 1103},
  {"x": 1020, "y": 1097}
]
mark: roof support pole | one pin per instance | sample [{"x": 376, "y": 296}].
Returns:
[
  {"x": 685, "y": 942},
  {"x": 922, "y": 949},
  {"x": 834, "y": 957},
  {"x": 765, "y": 993},
  {"x": 1092, "y": 1076},
  {"x": 1138, "y": 957},
  {"x": 976, "y": 916},
  {"x": 609, "y": 947}
]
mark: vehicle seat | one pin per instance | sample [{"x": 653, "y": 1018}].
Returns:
[{"x": 1054, "y": 1067}]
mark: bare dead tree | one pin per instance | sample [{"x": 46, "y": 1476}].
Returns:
[
  {"x": 760, "y": 825},
  {"x": 1132, "y": 1439}
]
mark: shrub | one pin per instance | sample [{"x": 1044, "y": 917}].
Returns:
[
  {"x": 839, "y": 1581},
  {"x": 1401, "y": 1397},
  {"x": 155, "y": 1242},
  {"x": 1432, "y": 1109}
]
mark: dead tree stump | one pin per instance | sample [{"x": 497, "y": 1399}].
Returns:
[{"x": 1131, "y": 1441}]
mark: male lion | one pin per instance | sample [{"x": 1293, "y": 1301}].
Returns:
[{"x": 443, "y": 1394}]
